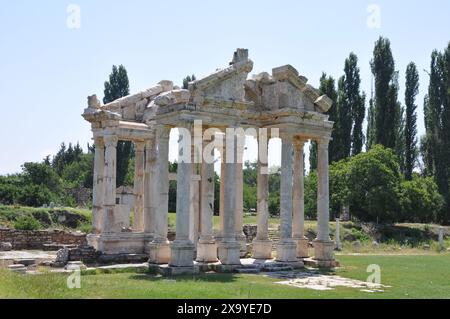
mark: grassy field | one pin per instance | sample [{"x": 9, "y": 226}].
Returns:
[{"x": 409, "y": 277}]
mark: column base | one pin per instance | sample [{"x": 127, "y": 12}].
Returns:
[
  {"x": 229, "y": 252},
  {"x": 302, "y": 247},
  {"x": 119, "y": 243},
  {"x": 182, "y": 253},
  {"x": 206, "y": 251},
  {"x": 242, "y": 240},
  {"x": 262, "y": 249},
  {"x": 323, "y": 250},
  {"x": 286, "y": 251},
  {"x": 159, "y": 252}
]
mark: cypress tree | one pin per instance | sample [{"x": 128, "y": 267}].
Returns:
[
  {"x": 386, "y": 90},
  {"x": 411, "y": 91}
]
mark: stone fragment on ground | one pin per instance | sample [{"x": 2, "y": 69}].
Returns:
[{"x": 318, "y": 281}]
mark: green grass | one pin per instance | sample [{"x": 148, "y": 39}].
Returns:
[{"x": 409, "y": 276}]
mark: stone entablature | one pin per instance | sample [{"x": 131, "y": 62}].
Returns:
[{"x": 227, "y": 98}]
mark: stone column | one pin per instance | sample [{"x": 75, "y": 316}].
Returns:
[
  {"x": 138, "y": 222},
  {"x": 109, "y": 182},
  {"x": 159, "y": 249},
  {"x": 298, "y": 218},
  {"x": 239, "y": 212},
  {"x": 441, "y": 238},
  {"x": 229, "y": 248},
  {"x": 182, "y": 248},
  {"x": 206, "y": 246},
  {"x": 337, "y": 235},
  {"x": 150, "y": 195},
  {"x": 98, "y": 191},
  {"x": 286, "y": 248},
  {"x": 221, "y": 193},
  {"x": 262, "y": 245},
  {"x": 323, "y": 246}
]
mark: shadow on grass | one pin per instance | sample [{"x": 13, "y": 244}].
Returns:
[{"x": 204, "y": 277}]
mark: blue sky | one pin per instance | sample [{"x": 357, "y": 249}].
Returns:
[{"x": 48, "y": 69}]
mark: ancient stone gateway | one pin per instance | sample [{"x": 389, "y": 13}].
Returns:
[{"x": 211, "y": 114}]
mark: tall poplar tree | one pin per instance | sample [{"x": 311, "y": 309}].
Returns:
[
  {"x": 385, "y": 108},
  {"x": 411, "y": 91}
]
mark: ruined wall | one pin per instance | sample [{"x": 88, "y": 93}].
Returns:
[{"x": 37, "y": 239}]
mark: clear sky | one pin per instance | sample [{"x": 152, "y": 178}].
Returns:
[{"x": 48, "y": 68}]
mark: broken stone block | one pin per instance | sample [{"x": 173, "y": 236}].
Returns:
[
  {"x": 19, "y": 268},
  {"x": 5, "y": 246},
  {"x": 26, "y": 262},
  {"x": 75, "y": 265}
]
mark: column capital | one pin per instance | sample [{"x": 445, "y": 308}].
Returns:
[
  {"x": 111, "y": 140},
  {"x": 162, "y": 132},
  {"x": 139, "y": 146},
  {"x": 99, "y": 142},
  {"x": 286, "y": 136},
  {"x": 299, "y": 141},
  {"x": 323, "y": 142}
]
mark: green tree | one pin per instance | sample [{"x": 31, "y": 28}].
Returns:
[
  {"x": 356, "y": 100},
  {"x": 188, "y": 79},
  {"x": 386, "y": 90},
  {"x": 327, "y": 86},
  {"x": 436, "y": 143},
  {"x": 411, "y": 91},
  {"x": 118, "y": 86}
]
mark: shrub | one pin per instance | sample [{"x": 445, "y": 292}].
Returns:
[
  {"x": 420, "y": 200},
  {"x": 26, "y": 222}
]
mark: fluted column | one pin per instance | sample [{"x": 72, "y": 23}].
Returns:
[
  {"x": 262, "y": 245},
  {"x": 229, "y": 248},
  {"x": 323, "y": 246},
  {"x": 182, "y": 248},
  {"x": 298, "y": 218},
  {"x": 206, "y": 246},
  {"x": 110, "y": 182},
  {"x": 221, "y": 191},
  {"x": 138, "y": 222},
  {"x": 159, "y": 249},
  {"x": 286, "y": 248},
  {"x": 239, "y": 212},
  {"x": 150, "y": 195},
  {"x": 98, "y": 191}
]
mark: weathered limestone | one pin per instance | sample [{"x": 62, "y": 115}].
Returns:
[
  {"x": 337, "y": 235},
  {"x": 298, "y": 218},
  {"x": 206, "y": 246},
  {"x": 98, "y": 193},
  {"x": 159, "y": 250},
  {"x": 110, "y": 182},
  {"x": 323, "y": 246},
  {"x": 138, "y": 222},
  {"x": 182, "y": 248},
  {"x": 222, "y": 100},
  {"x": 239, "y": 213},
  {"x": 229, "y": 248},
  {"x": 262, "y": 245},
  {"x": 150, "y": 187},
  {"x": 286, "y": 248}
]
